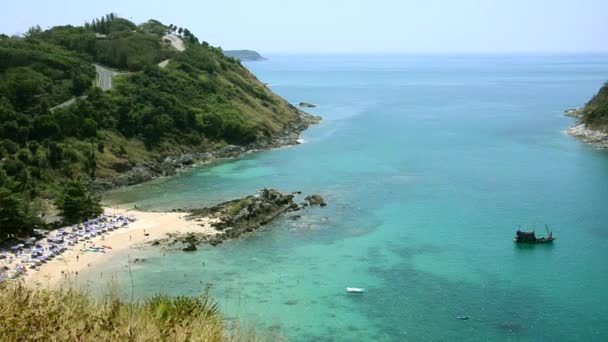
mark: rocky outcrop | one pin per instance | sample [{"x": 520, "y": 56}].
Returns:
[
  {"x": 306, "y": 104},
  {"x": 190, "y": 248},
  {"x": 170, "y": 165},
  {"x": 247, "y": 214},
  {"x": 121, "y": 166},
  {"x": 596, "y": 138},
  {"x": 574, "y": 112},
  {"x": 582, "y": 131},
  {"x": 237, "y": 217},
  {"x": 315, "y": 200}
]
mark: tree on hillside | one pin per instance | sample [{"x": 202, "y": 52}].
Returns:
[
  {"x": 180, "y": 30},
  {"x": 102, "y": 25},
  {"x": 76, "y": 204},
  {"x": 16, "y": 217}
]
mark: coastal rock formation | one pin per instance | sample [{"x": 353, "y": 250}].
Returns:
[
  {"x": 315, "y": 200},
  {"x": 247, "y": 214},
  {"x": 596, "y": 138},
  {"x": 170, "y": 165},
  {"x": 121, "y": 166},
  {"x": 592, "y": 127},
  {"x": 237, "y": 217},
  {"x": 190, "y": 248},
  {"x": 574, "y": 113}
]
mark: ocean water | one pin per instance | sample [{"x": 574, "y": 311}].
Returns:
[{"x": 429, "y": 164}]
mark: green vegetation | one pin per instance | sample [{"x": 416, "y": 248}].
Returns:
[
  {"x": 76, "y": 204},
  {"x": 595, "y": 113},
  {"x": 68, "y": 315},
  {"x": 244, "y": 55},
  {"x": 200, "y": 101}
]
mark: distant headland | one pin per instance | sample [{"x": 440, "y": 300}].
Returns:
[
  {"x": 592, "y": 127},
  {"x": 245, "y": 55}
]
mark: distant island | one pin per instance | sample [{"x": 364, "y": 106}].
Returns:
[
  {"x": 593, "y": 125},
  {"x": 245, "y": 55}
]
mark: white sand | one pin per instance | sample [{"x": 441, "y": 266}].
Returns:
[{"x": 155, "y": 224}]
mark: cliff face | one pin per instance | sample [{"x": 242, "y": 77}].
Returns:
[{"x": 593, "y": 120}]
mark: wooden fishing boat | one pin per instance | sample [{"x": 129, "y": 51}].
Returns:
[{"x": 530, "y": 237}]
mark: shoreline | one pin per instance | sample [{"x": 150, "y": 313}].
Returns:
[
  {"x": 147, "y": 227},
  {"x": 171, "y": 165},
  {"x": 581, "y": 131}
]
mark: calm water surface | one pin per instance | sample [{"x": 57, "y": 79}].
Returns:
[{"x": 429, "y": 164}]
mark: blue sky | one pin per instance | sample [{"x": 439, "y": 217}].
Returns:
[{"x": 355, "y": 26}]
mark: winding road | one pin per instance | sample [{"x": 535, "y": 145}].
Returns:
[
  {"x": 104, "y": 80},
  {"x": 105, "y": 77}
]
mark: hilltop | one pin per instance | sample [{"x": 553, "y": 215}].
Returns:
[
  {"x": 595, "y": 113},
  {"x": 245, "y": 55},
  {"x": 593, "y": 125},
  {"x": 164, "y": 109}
]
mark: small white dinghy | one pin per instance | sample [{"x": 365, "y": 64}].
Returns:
[{"x": 355, "y": 290}]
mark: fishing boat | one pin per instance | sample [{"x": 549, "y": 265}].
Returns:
[
  {"x": 355, "y": 290},
  {"x": 530, "y": 237}
]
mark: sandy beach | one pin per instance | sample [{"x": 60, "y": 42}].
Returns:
[{"x": 147, "y": 227}]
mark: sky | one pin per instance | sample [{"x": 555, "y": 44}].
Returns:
[{"x": 354, "y": 26}]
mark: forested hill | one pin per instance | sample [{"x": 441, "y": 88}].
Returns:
[
  {"x": 245, "y": 55},
  {"x": 198, "y": 101},
  {"x": 595, "y": 113}
]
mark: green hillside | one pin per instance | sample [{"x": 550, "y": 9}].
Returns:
[
  {"x": 595, "y": 113},
  {"x": 200, "y": 101}
]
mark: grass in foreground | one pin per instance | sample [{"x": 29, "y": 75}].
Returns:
[{"x": 69, "y": 315}]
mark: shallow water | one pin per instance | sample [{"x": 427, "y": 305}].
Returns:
[{"x": 429, "y": 164}]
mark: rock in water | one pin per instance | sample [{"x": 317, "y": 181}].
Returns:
[
  {"x": 237, "y": 217},
  {"x": 315, "y": 200},
  {"x": 190, "y": 248}
]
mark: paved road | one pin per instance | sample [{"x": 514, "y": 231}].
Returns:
[
  {"x": 105, "y": 77},
  {"x": 163, "y": 64},
  {"x": 67, "y": 103}
]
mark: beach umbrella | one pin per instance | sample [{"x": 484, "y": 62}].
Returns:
[{"x": 15, "y": 248}]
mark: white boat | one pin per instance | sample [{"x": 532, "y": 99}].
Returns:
[{"x": 355, "y": 290}]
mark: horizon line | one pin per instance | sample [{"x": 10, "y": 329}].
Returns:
[{"x": 430, "y": 53}]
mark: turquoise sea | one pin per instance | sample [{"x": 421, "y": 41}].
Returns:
[{"x": 429, "y": 164}]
